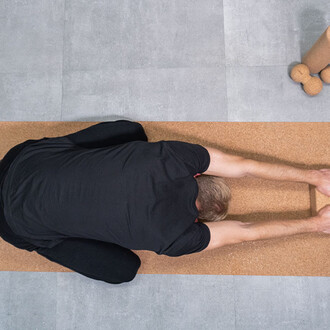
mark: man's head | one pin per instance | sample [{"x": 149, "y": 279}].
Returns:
[{"x": 213, "y": 198}]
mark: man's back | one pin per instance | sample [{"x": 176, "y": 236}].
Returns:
[{"x": 139, "y": 195}]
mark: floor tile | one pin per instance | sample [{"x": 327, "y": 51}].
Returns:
[
  {"x": 181, "y": 94},
  {"x": 148, "y": 302},
  {"x": 30, "y": 300},
  {"x": 269, "y": 94},
  {"x": 272, "y": 32},
  {"x": 31, "y": 36},
  {"x": 143, "y": 34},
  {"x": 30, "y": 96},
  {"x": 282, "y": 303}
]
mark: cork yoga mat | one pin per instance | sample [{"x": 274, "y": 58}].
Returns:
[{"x": 305, "y": 145}]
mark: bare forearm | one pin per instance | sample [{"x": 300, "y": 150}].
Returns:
[
  {"x": 279, "y": 172},
  {"x": 278, "y": 228},
  {"x": 237, "y": 231},
  {"x": 232, "y": 166},
  {"x": 232, "y": 232}
]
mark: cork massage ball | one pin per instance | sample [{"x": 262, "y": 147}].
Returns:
[
  {"x": 325, "y": 75},
  {"x": 300, "y": 72},
  {"x": 312, "y": 85}
]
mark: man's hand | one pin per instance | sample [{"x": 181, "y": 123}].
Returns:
[
  {"x": 322, "y": 181},
  {"x": 323, "y": 220}
]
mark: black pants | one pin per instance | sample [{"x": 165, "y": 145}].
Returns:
[{"x": 96, "y": 259}]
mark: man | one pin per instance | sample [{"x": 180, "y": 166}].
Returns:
[{"x": 86, "y": 199}]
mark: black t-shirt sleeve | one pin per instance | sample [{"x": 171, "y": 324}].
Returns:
[
  {"x": 195, "y": 157},
  {"x": 195, "y": 239},
  {"x": 108, "y": 133}
]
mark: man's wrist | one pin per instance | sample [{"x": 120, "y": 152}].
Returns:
[
  {"x": 314, "y": 224},
  {"x": 313, "y": 177}
]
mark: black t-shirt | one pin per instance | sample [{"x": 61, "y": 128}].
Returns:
[{"x": 138, "y": 194}]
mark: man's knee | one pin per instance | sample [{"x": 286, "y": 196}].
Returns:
[{"x": 130, "y": 272}]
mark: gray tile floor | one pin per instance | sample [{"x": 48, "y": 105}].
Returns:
[
  {"x": 207, "y": 60},
  {"x": 72, "y": 301}
]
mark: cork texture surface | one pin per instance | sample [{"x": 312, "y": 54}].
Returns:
[
  {"x": 318, "y": 57},
  {"x": 318, "y": 200},
  {"x": 304, "y": 145}
]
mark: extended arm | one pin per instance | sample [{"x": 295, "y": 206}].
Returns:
[
  {"x": 226, "y": 165},
  {"x": 232, "y": 232}
]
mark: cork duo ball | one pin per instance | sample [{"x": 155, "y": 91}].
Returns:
[
  {"x": 325, "y": 75},
  {"x": 312, "y": 85}
]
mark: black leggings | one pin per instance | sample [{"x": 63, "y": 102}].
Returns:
[{"x": 98, "y": 260}]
